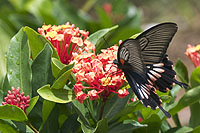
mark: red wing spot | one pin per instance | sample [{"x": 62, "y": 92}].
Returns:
[{"x": 122, "y": 61}]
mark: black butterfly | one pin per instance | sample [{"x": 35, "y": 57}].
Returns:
[{"x": 146, "y": 66}]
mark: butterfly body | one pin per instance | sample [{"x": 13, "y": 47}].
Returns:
[{"x": 146, "y": 66}]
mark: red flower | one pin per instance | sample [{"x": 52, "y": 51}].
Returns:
[
  {"x": 93, "y": 95},
  {"x": 17, "y": 99},
  {"x": 81, "y": 96},
  {"x": 122, "y": 93},
  {"x": 78, "y": 87},
  {"x": 140, "y": 119},
  {"x": 193, "y": 52},
  {"x": 107, "y": 8},
  {"x": 67, "y": 40},
  {"x": 99, "y": 73}
]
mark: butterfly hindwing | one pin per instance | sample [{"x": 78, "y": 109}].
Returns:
[
  {"x": 144, "y": 91},
  {"x": 155, "y": 41}
]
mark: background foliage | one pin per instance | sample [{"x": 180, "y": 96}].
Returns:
[{"x": 71, "y": 115}]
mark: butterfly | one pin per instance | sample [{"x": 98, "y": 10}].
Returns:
[{"x": 146, "y": 65}]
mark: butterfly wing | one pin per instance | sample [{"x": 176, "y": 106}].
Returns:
[
  {"x": 130, "y": 61},
  {"x": 155, "y": 41},
  {"x": 129, "y": 56}
]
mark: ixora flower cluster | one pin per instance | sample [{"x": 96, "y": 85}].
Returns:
[
  {"x": 193, "y": 52},
  {"x": 16, "y": 98},
  {"x": 99, "y": 72},
  {"x": 67, "y": 40}
]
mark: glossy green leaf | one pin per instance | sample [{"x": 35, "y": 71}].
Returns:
[
  {"x": 135, "y": 35},
  {"x": 64, "y": 69},
  {"x": 18, "y": 67},
  {"x": 189, "y": 98},
  {"x": 61, "y": 81},
  {"x": 195, "y": 77},
  {"x": 153, "y": 123},
  {"x": 32, "y": 103},
  {"x": 71, "y": 124},
  {"x": 6, "y": 85},
  {"x": 195, "y": 108},
  {"x": 6, "y": 127},
  {"x": 56, "y": 95},
  {"x": 180, "y": 130},
  {"x": 130, "y": 108},
  {"x": 4, "y": 39},
  {"x": 56, "y": 66},
  {"x": 98, "y": 37},
  {"x": 82, "y": 111},
  {"x": 37, "y": 43},
  {"x": 85, "y": 128},
  {"x": 12, "y": 112},
  {"x": 47, "y": 107},
  {"x": 102, "y": 126},
  {"x": 41, "y": 69},
  {"x": 181, "y": 71},
  {"x": 196, "y": 129},
  {"x": 127, "y": 126},
  {"x": 51, "y": 124},
  {"x": 113, "y": 106}
]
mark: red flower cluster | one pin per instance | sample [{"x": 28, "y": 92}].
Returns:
[
  {"x": 17, "y": 98},
  {"x": 193, "y": 52},
  {"x": 67, "y": 40},
  {"x": 99, "y": 73}
]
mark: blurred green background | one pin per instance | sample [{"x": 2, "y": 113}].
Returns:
[{"x": 132, "y": 16}]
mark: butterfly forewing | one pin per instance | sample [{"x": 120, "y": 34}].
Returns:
[
  {"x": 129, "y": 56},
  {"x": 155, "y": 41}
]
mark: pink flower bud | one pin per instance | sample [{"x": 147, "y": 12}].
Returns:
[{"x": 78, "y": 87}]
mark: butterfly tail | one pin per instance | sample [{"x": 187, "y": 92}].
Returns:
[
  {"x": 144, "y": 91},
  {"x": 162, "y": 76}
]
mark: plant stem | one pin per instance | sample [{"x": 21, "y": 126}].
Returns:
[
  {"x": 31, "y": 126},
  {"x": 101, "y": 111},
  {"x": 88, "y": 5}
]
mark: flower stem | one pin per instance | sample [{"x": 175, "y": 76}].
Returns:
[{"x": 31, "y": 126}]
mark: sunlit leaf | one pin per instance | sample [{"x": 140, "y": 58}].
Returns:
[
  {"x": 56, "y": 95},
  {"x": 18, "y": 67},
  {"x": 12, "y": 112}
]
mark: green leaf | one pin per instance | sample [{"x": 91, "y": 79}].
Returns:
[
  {"x": 64, "y": 69},
  {"x": 12, "y": 112},
  {"x": 195, "y": 108},
  {"x": 71, "y": 124},
  {"x": 32, "y": 103},
  {"x": 153, "y": 123},
  {"x": 82, "y": 111},
  {"x": 104, "y": 18},
  {"x": 47, "y": 107},
  {"x": 181, "y": 71},
  {"x": 127, "y": 126},
  {"x": 51, "y": 124},
  {"x": 180, "y": 130},
  {"x": 113, "y": 106},
  {"x": 61, "y": 81},
  {"x": 56, "y": 66},
  {"x": 37, "y": 43},
  {"x": 130, "y": 108},
  {"x": 189, "y": 98},
  {"x": 41, "y": 69},
  {"x": 18, "y": 67},
  {"x": 56, "y": 95},
  {"x": 98, "y": 37},
  {"x": 6, "y": 127},
  {"x": 135, "y": 36},
  {"x": 102, "y": 126},
  {"x": 196, "y": 129},
  {"x": 85, "y": 128},
  {"x": 195, "y": 77}
]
